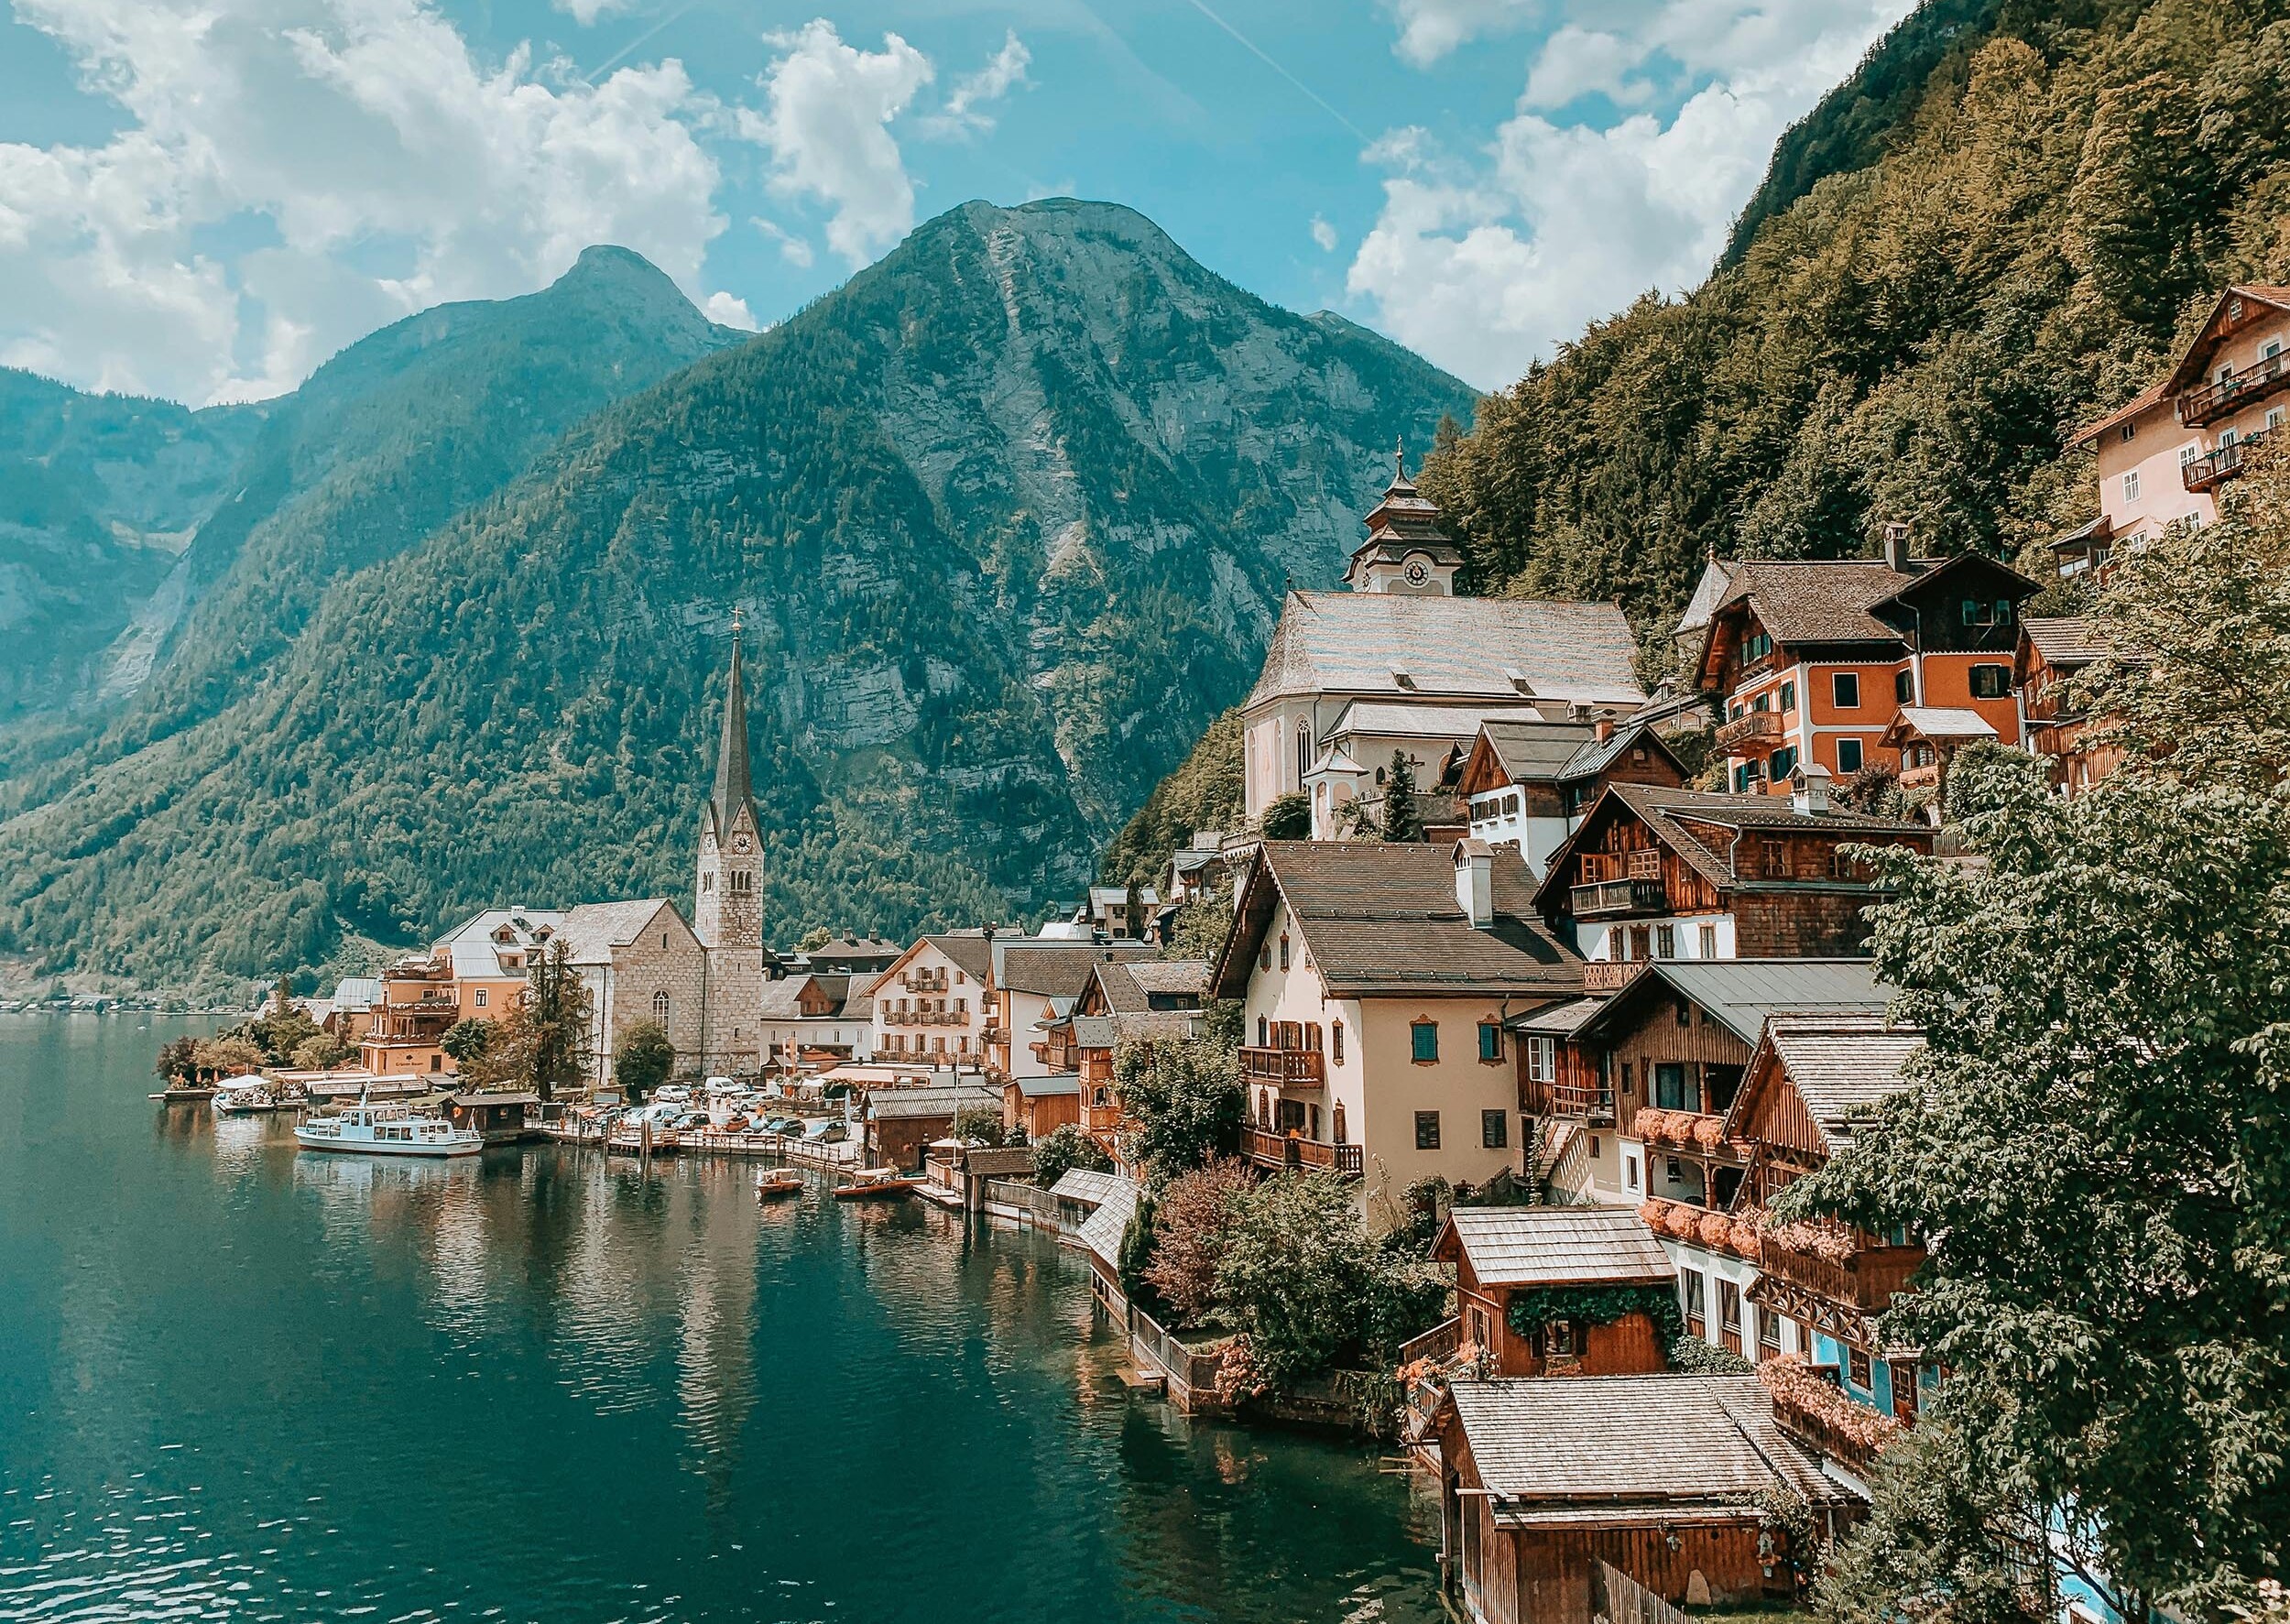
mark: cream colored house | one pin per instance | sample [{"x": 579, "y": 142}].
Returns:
[
  {"x": 1375, "y": 981},
  {"x": 935, "y": 1006}
]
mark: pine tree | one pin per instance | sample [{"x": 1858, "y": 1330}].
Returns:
[{"x": 1403, "y": 820}]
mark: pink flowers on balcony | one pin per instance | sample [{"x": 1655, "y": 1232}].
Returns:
[{"x": 1687, "y": 1131}]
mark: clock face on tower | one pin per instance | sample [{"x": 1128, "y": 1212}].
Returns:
[
  {"x": 740, "y": 842},
  {"x": 1417, "y": 572}
]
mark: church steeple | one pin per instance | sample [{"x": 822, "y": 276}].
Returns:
[
  {"x": 733, "y": 789},
  {"x": 1407, "y": 549}
]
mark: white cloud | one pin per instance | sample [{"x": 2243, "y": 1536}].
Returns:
[
  {"x": 1324, "y": 233},
  {"x": 1486, "y": 263},
  {"x": 827, "y": 124},
  {"x": 586, "y": 12},
  {"x": 792, "y": 248},
  {"x": 1429, "y": 29},
  {"x": 968, "y": 107},
  {"x": 724, "y": 309},
  {"x": 347, "y": 135}
]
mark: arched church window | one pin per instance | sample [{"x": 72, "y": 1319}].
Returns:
[
  {"x": 1304, "y": 752},
  {"x": 659, "y": 1007}
]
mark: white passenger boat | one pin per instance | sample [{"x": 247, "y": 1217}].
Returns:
[{"x": 387, "y": 1131}]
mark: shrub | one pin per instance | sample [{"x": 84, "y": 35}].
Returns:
[
  {"x": 646, "y": 1059},
  {"x": 1063, "y": 1149},
  {"x": 979, "y": 1124},
  {"x": 1192, "y": 1222}
]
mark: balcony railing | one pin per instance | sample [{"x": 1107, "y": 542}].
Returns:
[
  {"x": 1611, "y": 976},
  {"x": 1866, "y": 1280},
  {"x": 1752, "y": 733},
  {"x": 1284, "y": 1068},
  {"x": 1591, "y": 1102},
  {"x": 2231, "y": 394},
  {"x": 1921, "y": 777},
  {"x": 1290, "y": 1152},
  {"x": 1606, "y": 898},
  {"x": 2204, "y": 472}
]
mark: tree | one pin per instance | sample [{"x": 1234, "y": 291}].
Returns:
[
  {"x": 818, "y": 936},
  {"x": 1403, "y": 820},
  {"x": 1191, "y": 1223},
  {"x": 1062, "y": 1150},
  {"x": 466, "y": 1041},
  {"x": 177, "y": 1058},
  {"x": 1134, "y": 1262},
  {"x": 1185, "y": 1098},
  {"x": 644, "y": 1059},
  {"x": 1133, "y": 912},
  {"x": 1287, "y": 817},
  {"x": 320, "y": 1054},
  {"x": 979, "y": 1124},
  {"x": 542, "y": 1043},
  {"x": 2096, "y": 1141},
  {"x": 228, "y": 1055},
  {"x": 1293, "y": 1272},
  {"x": 283, "y": 1027}
]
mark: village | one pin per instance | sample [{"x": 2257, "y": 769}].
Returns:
[{"x": 1549, "y": 980}]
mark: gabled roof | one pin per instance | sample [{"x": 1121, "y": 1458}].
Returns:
[
  {"x": 1177, "y": 977},
  {"x": 1100, "y": 1234},
  {"x": 1057, "y": 969},
  {"x": 1554, "y": 1246},
  {"x": 1383, "y": 919},
  {"x": 1741, "y": 994},
  {"x": 1079, "y": 1183},
  {"x": 1527, "y": 752},
  {"x": 472, "y": 951},
  {"x": 1341, "y": 642},
  {"x": 593, "y": 929},
  {"x": 1616, "y": 1449},
  {"x": 1594, "y": 758},
  {"x": 357, "y": 992},
  {"x": 936, "y": 1099},
  {"x": 2068, "y": 642},
  {"x": 1559, "y": 1020},
  {"x": 1837, "y": 603},
  {"x": 1940, "y": 724},
  {"x": 967, "y": 951},
  {"x": 1667, "y": 815},
  {"x": 1842, "y": 1066}
]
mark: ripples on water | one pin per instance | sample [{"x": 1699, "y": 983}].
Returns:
[{"x": 241, "y": 1383}]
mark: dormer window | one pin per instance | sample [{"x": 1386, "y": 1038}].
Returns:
[
  {"x": 1401, "y": 675},
  {"x": 1518, "y": 678}
]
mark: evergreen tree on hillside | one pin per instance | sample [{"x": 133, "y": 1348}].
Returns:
[{"x": 1402, "y": 819}]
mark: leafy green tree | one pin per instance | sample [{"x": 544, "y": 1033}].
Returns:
[
  {"x": 322, "y": 1053},
  {"x": 1287, "y": 817},
  {"x": 2096, "y": 1139},
  {"x": 1184, "y": 1096},
  {"x": 1062, "y": 1150},
  {"x": 466, "y": 1041},
  {"x": 229, "y": 1056},
  {"x": 542, "y": 1043},
  {"x": 179, "y": 1057},
  {"x": 645, "y": 1059},
  {"x": 1403, "y": 820},
  {"x": 979, "y": 1124}
]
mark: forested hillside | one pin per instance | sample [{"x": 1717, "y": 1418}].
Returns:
[
  {"x": 1009, "y": 517},
  {"x": 1913, "y": 340}
]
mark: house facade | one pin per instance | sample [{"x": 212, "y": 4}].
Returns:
[
  {"x": 639, "y": 961},
  {"x": 2053, "y": 652},
  {"x": 1529, "y": 784},
  {"x": 935, "y": 1007},
  {"x": 1374, "y": 981},
  {"x": 1549, "y": 1254},
  {"x": 1811, "y": 659},
  {"x": 1037, "y": 981},
  {"x": 816, "y": 1020}
]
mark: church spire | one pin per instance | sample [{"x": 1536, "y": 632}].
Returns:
[{"x": 732, "y": 790}]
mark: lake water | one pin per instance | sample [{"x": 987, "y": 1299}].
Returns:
[{"x": 240, "y": 1382}]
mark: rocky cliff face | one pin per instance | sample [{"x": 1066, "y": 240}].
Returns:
[{"x": 1008, "y": 517}]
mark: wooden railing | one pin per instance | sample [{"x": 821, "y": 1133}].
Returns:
[
  {"x": 1283, "y": 1068},
  {"x": 1867, "y": 1280},
  {"x": 2231, "y": 394},
  {"x": 1827, "y": 1425},
  {"x": 1751, "y": 730},
  {"x": 1434, "y": 1343},
  {"x": 1617, "y": 896},
  {"x": 1592, "y": 1101},
  {"x": 1291, "y": 1151},
  {"x": 2218, "y": 467},
  {"x": 1610, "y": 975},
  {"x": 1921, "y": 777},
  {"x": 1618, "y": 1598}
]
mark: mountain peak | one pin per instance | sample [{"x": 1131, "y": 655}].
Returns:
[{"x": 608, "y": 267}]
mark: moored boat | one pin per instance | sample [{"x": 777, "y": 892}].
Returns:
[
  {"x": 245, "y": 1097},
  {"x": 779, "y": 1184},
  {"x": 387, "y": 1131},
  {"x": 871, "y": 1183}
]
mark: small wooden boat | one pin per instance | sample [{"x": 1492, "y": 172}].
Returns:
[
  {"x": 779, "y": 1184},
  {"x": 875, "y": 1182},
  {"x": 188, "y": 1093}
]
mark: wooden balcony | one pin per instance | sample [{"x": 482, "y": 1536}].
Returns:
[
  {"x": 2231, "y": 394},
  {"x": 1283, "y": 1068},
  {"x": 1754, "y": 733},
  {"x": 1866, "y": 1282},
  {"x": 1606, "y": 899},
  {"x": 1824, "y": 1420},
  {"x": 2209, "y": 472},
  {"x": 1289, "y": 1151},
  {"x": 1611, "y": 976},
  {"x": 1587, "y": 1102},
  {"x": 1921, "y": 777}
]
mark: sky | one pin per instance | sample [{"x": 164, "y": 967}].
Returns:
[{"x": 204, "y": 198}]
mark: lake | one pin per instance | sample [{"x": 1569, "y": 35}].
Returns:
[{"x": 241, "y": 1382}]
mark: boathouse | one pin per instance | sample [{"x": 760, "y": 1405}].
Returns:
[{"x": 1560, "y": 1290}]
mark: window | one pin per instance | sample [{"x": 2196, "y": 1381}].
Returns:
[
  {"x": 1264, "y": 959},
  {"x": 1767, "y": 1333},
  {"x": 1991, "y": 681},
  {"x": 1845, "y": 690},
  {"x": 1335, "y": 1045},
  {"x": 1424, "y": 1037},
  {"x": 1665, "y": 942},
  {"x": 1427, "y": 1130},
  {"x": 1710, "y": 942},
  {"x": 958, "y": 979},
  {"x": 1494, "y": 1130},
  {"x": 1857, "y": 1368},
  {"x": 1283, "y": 950},
  {"x": 1304, "y": 752},
  {"x": 2188, "y": 452},
  {"x": 1263, "y": 1033},
  {"x": 1490, "y": 1042},
  {"x": 1561, "y": 1340},
  {"x": 1682, "y": 1012},
  {"x": 2130, "y": 431},
  {"x": 659, "y": 1007},
  {"x": 1789, "y": 696},
  {"x": 2275, "y": 418},
  {"x": 1339, "y": 1123},
  {"x": 1763, "y": 704},
  {"x": 1690, "y": 1293},
  {"x": 2130, "y": 485},
  {"x": 1598, "y": 1148},
  {"x": 1630, "y": 1173},
  {"x": 742, "y": 880},
  {"x": 1728, "y": 1308},
  {"x": 708, "y": 882},
  {"x": 1541, "y": 1059},
  {"x": 1784, "y": 762},
  {"x": 481, "y": 995},
  {"x": 1669, "y": 1088},
  {"x": 436, "y": 1063},
  {"x": 1904, "y": 685},
  {"x": 1848, "y": 755}
]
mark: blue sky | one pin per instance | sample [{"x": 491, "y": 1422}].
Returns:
[{"x": 204, "y": 198}]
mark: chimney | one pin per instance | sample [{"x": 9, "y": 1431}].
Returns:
[
  {"x": 1809, "y": 789},
  {"x": 1605, "y": 730},
  {"x": 1475, "y": 882},
  {"x": 1896, "y": 539}
]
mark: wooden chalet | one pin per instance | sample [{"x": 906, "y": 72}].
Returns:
[
  {"x": 1925, "y": 739},
  {"x": 1526, "y": 782},
  {"x": 1810, "y": 1079},
  {"x": 2054, "y": 651},
  {"x": 1675, "y": 873},
  {"x": 1122, "y": 998},
  {"x": 1561, "y": 1500},
  {"x": 1557, "y": 1252}
]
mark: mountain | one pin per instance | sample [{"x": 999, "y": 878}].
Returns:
[
  {"x": 1007, "y": 518},
  {"x": 2023, "y": 233},
  {"x": 175, "y": 554}
]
